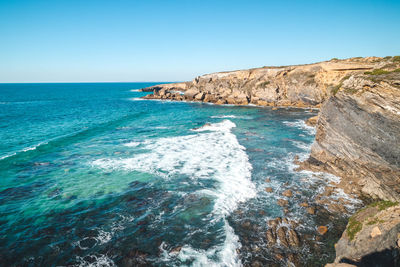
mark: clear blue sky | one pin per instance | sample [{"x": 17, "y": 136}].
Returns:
[{"x": 149, "y": 40}]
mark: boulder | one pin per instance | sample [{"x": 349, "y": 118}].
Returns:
[
  {"x": 282, "y": 202},
  {"x": 322, "y": 229},
  {"x": 287, "y": 193},
  {"x": 293, "y": 238},
  {"x": 281, "y": 233}
]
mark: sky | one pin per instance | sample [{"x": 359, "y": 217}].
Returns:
[{"x": 177, "y": 40}]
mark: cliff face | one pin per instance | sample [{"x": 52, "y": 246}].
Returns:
[
  {"x": 358, "y": 135},
  {"x": 301, "y": 85}
]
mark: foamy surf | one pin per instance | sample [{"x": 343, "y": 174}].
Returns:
[
  {"x": 300, "y": 124},
  {"x": 212, "y": 152}
]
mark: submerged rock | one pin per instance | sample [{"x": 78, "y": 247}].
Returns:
[
  {"x": 282, "y": 202},
  {"x": 287, "y": 193},
  {"x": 269, "y": 189}
]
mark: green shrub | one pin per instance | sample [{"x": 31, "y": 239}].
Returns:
[
  {"x": 377, "y": 72},
  {"x": 336, "y": 88},
  {"x": 353, "y": 228},
  {"x": 396, "y": 58},
  {"x": 334, "y": 59}
]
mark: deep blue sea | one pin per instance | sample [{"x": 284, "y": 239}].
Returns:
[{"x": 91, "y": 175}]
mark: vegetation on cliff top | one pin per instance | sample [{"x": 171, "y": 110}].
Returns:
[{"x": 355, "y": 225}]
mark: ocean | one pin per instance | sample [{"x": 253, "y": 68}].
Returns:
[{"x": 91, "y": 175}]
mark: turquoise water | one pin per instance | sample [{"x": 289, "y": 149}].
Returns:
[{"x": 93, "y": 176}]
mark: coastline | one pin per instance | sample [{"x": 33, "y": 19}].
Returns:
[{"x": 370, "y": 85}]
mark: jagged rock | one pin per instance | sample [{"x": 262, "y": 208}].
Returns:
[
  {"x": 269, "y": 189},
  {"x": 199, "y": 96},
  {"x": 282, "y": 202},
  {"x": 271, "y": 237},
  {"x": 294, "y": 260},
  {"x": 312, "y": 121},
  {"x": 189, "y": 94},
  {"x": 281, "y": 234},
  {"x": 304, "y": 204},
  {"x": 293, "y": 238},
  {"x": 311, "y": 210},
  {"x": 287, "y": 193}
]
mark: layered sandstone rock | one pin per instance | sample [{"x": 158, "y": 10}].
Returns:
[
  {"x": 299, "y": 86},
  {"x": 358, "y": 136}
]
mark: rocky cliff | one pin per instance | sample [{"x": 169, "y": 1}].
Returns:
[
  {"x": 358, "y": 135},
  {"x": 300, "y": 85}
]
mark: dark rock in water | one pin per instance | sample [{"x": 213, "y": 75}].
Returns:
[
  {"x": 269, "y": 189},
  {"x": 279, "y": 256},
  {"x": 293, "y": 238},
  {"x": 311, "y": 210},
  {"x": 176, "y": 250},
  {"x": 281, "y": 233},
  {"x": 294, "y": 260},
  {"x": 42, "y": 163},
  {"x": 54, "y": 192},
  {"x": 271, "y": 237},
  {"x": 282, "y": 202},
  {"x": 287, "y": 193},
  {"x": 256, "y": 264},
  {"x": 247, "y": 225},
  {"x": 135, "y": 258},
  {"x": 304, "y": 204}
]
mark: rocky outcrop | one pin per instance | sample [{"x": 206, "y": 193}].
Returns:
[
  {"x": 358, "y": 135},
  {"x": 372, "y": 237},
  {"x": 298, "y": 86}
]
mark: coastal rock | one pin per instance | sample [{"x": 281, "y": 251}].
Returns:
[
  {"x": 287, "y": 193},
  {"x": 371, "y": 236},
  {"x": 358, "y": 133},
  {"x": 282, "y": 202},
  {"x": 293, "y": 238},
  {"x": 312, "y": 121},
  {"x": 297, "y": 86},
  {"x": 269, "y": 189},
  {"x": 281, "y": 234},
  {"x": 311, "y": 210},
  {"x": 322, "y": 229},
  {"x": 271, "y": 237}
]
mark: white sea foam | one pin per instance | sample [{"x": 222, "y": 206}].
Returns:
[
  {"x": 22, "y": 150},
  {"x": 132, "y": 144},
  {"x": 223, "y": 117},
  {"x": 96, "y": 261},
  {"x": 226, "y": 253},
  {"x": 301, "y": 124},
  {"x": 212, "y": 152}
]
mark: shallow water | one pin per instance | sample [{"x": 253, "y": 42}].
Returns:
[{"x": 93, "y": 176}]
